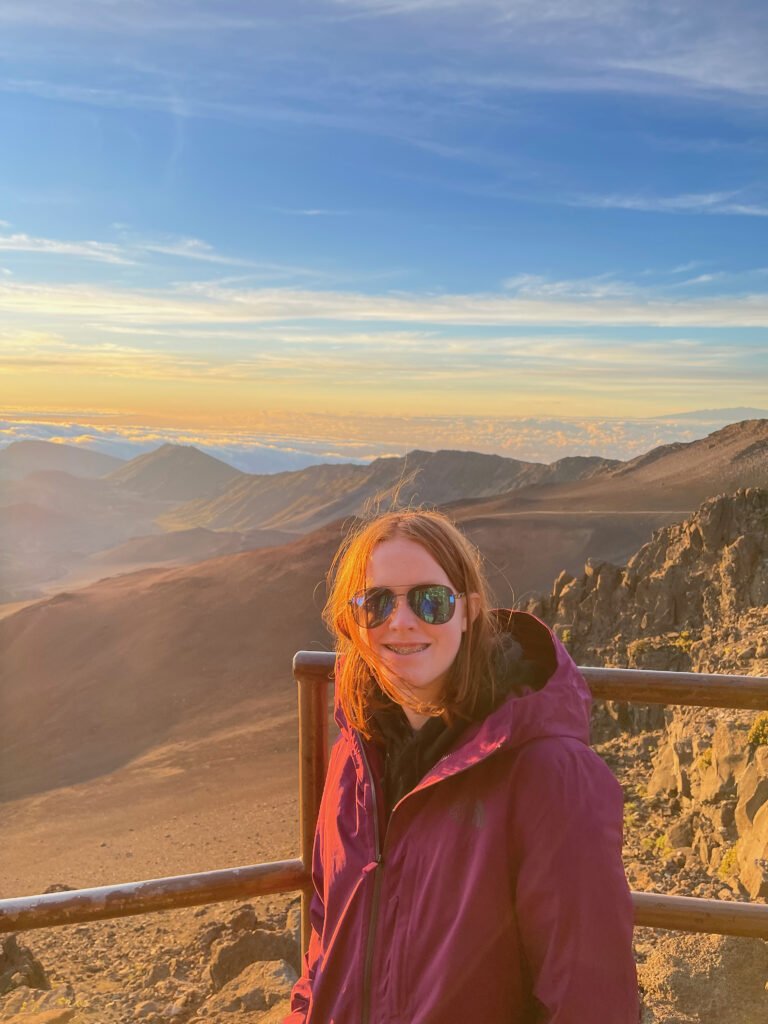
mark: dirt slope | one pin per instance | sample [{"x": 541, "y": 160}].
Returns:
[
  {"x": 678, "y": 476},
  {"x": 20, "y": 458}
]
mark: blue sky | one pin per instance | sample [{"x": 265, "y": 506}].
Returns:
[{"x": 216, "y": 212}]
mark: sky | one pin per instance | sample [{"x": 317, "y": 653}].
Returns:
[{"x": 382, "y": 223}]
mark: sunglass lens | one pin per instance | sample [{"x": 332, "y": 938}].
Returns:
[
  {"x": 433, "y": 605},
  {"x": 377, "y": 607}
]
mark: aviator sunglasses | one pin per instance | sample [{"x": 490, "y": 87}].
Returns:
[{"x": 433, "y": 603}]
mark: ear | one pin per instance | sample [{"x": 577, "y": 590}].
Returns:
[{"x": 472, "y": 609}]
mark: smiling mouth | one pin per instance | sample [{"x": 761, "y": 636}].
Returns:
[{"x": 412, "y": 649}]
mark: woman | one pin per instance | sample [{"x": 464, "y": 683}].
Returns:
[{"x": 467, "y": 861}]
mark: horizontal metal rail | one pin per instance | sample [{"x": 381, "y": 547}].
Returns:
[
  {"x": 313, "y": 671},
  {"x": 642, "y": 686},
  {"x": 76, "y": 905},
  {"x": 691, "y": 914}
]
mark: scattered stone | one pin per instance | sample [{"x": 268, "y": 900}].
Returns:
[
  {"x": 209, "y": 935},
  {"x": 61, "y": 1016},
  {"x": 18, "y": 966},
  {"x": 243, "y": 918},
  {"x": 687, "y": 973},
  {"x": 230, "y": 958},
  {"x": 259, "y": 986},
  {"x": 146, "y": 1009},
  {"x": 680, "y": 834},
  {"x": 157, "y": 972}
]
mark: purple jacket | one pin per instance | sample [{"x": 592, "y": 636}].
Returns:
[{"x": 496, "y": 891}]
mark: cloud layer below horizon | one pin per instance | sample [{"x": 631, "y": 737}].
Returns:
[{"x": 275, "y": 444}]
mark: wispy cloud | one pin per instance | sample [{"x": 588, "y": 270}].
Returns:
[
  {"x": 684, "y": 268},
  {"x": 103, "y": 252},
  {"x": 133, "y": 250},
  {"x": 189, "y": 249},
  {"x": 170, "y": 16},
  {"x": 545, "y": 304},
  {"x": 309, "y": 212},
  {"x": 600, "y": 286},
  {"x": 692, "y": 202}
]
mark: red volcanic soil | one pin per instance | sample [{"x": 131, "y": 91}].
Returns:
[
  {"x": 94, "y": 678},
  {"x": 97, "y": 677},
  {"x": 148, "y": 721},
  {"x": 525, "y": 551}
]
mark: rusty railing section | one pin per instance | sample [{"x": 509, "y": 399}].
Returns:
[{"x": 313, "y": 671}]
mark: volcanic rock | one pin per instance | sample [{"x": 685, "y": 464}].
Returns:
[{"x": 18, "y": 966}]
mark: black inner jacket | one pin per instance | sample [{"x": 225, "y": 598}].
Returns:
[{"x": 409, "y": 754}]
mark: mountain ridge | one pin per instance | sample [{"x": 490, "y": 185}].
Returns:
[
  {"x": 19, "y": 458},
  {"x": 174, "y": 473}
]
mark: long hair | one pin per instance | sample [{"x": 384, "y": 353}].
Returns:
[{"x": 360, "y": 686}]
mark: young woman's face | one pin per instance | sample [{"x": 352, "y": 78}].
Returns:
[{"x": 412, "y": 654}]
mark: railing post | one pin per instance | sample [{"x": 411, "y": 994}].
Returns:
[{"x": 313, "y": 671}]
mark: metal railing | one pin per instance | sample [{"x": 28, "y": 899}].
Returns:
[{"x": 313, "y": 672}]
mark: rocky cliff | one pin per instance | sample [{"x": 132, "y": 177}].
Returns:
[{"x": 694, "y": 598}]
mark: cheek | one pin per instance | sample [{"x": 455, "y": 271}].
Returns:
[
  {"x": 457, "y": 635},
  {"x": 363, "y": 642}
]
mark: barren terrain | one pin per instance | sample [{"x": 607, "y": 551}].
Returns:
[{"x": 149, "y": 728}]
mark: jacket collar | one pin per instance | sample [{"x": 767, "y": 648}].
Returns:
[{"x": 560, "y": 708}]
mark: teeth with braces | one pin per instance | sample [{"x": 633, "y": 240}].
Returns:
[{"x": 407, "y": 650}]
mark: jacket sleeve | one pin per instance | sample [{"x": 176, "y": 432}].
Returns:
[
  {"x": 302, "y": 991},
  {"x": 301, "y": 996},
  {"x": 573, "y": 904}
]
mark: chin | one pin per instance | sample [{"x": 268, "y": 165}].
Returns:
[{"x": 420, "y": 690}]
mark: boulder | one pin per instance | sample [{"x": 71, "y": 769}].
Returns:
[
  {"x": 672, "y": 765},
  {"x": 753, "y": 856},
  {"x": 18, "y": 966},
  {"x": 752, "y": 787},
  {"x": 243, "y": 918},
  {"x": 663, "y": 780},
  {"x": 61, "y": 1016},
  {"x": 730, "y": 753},
  {"x": 259, "y": 986},
  {"x": 228, "y": 959},
  {"x": 293, "y": 923},
  {"x": 721, "y": 815},
  {"x": 157, "y": 972},
  {"x": 680, "y": 834}
]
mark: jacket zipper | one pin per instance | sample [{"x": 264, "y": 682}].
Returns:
[
  {"x": 379, "y": 861},
  {"x": 369, "y": 945}
]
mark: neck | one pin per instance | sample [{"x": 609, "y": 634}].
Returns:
[{"x": 414, "y": 718}]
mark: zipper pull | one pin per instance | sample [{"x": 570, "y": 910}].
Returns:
[{"x": 372, "y": 866}]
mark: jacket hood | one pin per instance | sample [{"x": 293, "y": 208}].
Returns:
[{"x": 560, "y": 708}]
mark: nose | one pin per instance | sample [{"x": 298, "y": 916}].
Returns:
[{"x": 402, "y": 616}]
